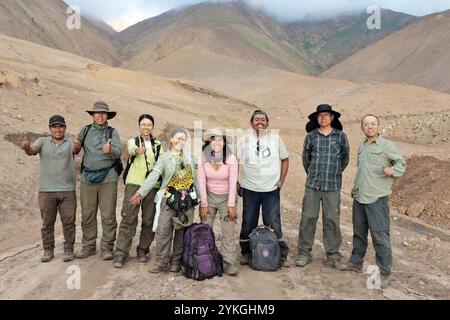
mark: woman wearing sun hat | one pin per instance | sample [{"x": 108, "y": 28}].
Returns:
[{"x": 218, "y": 174}]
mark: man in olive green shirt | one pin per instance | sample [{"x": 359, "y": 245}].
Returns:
[
  {"x": 56, "y": 186},
  {"x": 379, "y": 162},
  {"x": 99, "y": 177}
]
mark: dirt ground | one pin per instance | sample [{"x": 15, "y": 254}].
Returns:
[
  {"x": 421, "y": 271},
  {"x": 425, "y": 185}
]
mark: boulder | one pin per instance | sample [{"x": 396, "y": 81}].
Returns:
[
  {"x": 12, "y": 79},
  {"x": 415, "y": 210},
  {"x": 93, "y": 67}
]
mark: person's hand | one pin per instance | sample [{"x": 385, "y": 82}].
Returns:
[
  {"x": 389, "y": 172},
  {"x": 204, "y": 212},
  {"x": 136, "y": 200},
  {"x": 232, "y": 215},
  {"x": 280, "y": 184},
  {"x": 77, "y": 143},
  {"x": 107, "y": 147},
  {"x": 140, "y": 151},
  {"x": 353, "y": 193},
  {"x": 25, "y": 143},
  {"x": 239, "y": 190}
]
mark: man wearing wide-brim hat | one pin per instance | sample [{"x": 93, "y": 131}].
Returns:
[
  {"x": 99, "y": 176},
  {"x": 325, "y": 157},
  {"x": 102, "y": 107}
]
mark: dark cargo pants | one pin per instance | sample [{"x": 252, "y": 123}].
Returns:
[
  {"x": 332, "y": 238},
  {"x": 374, "y": 218}
]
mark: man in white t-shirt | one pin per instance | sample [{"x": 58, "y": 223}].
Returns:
[{"x": 264, "y": 164}]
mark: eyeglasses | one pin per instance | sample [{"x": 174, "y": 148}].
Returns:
[{"x": 182, "y": 166}]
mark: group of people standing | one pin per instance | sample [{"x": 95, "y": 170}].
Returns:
[{"x": 255, "y": 170}]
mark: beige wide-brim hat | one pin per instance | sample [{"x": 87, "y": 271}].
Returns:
[
  {"x": 101, "y": 106},
  {"x": 217, "y": 132}
]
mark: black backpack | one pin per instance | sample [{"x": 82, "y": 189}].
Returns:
[
  {"x": 265, "y": 249},
  {"x": 118, "y": 165},
  {"x": 156, "y": 151}
]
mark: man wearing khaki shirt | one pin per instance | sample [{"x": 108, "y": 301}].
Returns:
[
  {"x": 56, "y": 186},
  {"x": 379, "y": 162},
  {"x": 101, "y": 144}
]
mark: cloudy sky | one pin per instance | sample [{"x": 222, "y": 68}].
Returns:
[{"x": 121, "y": 14}]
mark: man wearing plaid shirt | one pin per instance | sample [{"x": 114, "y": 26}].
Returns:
[{"x": 325, "y": 157}]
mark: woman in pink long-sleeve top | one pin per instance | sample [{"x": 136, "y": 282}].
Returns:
[{"x": 218, "y": 174}]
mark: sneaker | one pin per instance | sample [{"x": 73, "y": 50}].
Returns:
[
  {"x": 86, "y": 253},
  {"x": 107, "y": 255},
  {"x": 119, "y": 260},
  {"x": 48, "y": 255},
  {"x": 244, "y": 259},
  {"x": 68, "y": 255},
  {"x": 156, "y": 268},
  {"x": 142, "y": 255},
  {"x": 302, "y": 262},
  {"x": 231, "y": 270}
]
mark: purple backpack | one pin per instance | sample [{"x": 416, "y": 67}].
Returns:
[{"x": 201, "y": 258}]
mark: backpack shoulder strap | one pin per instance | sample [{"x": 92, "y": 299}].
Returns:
[
  {"x": 156, "y": 149},
  {"x": 110, "y": 131},
  {"x": 130, "y": 160},
  {"x": 86, "y": 130}
]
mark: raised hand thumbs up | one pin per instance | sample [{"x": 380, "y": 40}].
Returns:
[
  {"x": 107, "y": 147},
  {"x": 140, "y": 151},
  {"x": 77, "y": 143},
  {"x": 25, "y": 143},
  {"x": 76, "y": 146}
]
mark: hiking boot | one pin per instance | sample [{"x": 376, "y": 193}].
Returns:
[
  {"x": 68, "y": 255},
  {"x": 142, "y": 255},
  {"x": 107, "y": 255},
  {"x": 86, "y": 253},
  {"x": 119, "y": 260},
  {"x": 349, "y": 266},
  {"x": 48, "y": 255},
  {"x": 336, "y": 264},
  {"x": 385, "y": 281},
  {"x": 156, "y": 268},
  {"x": 175, "y": 268},
  {"x": 245, "y": 259},
  {"x": 302, "y": 262},
  {"x": 231, "y": 270}
]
